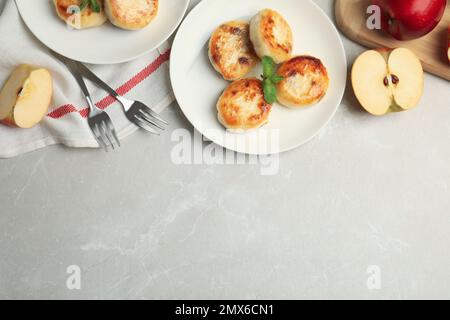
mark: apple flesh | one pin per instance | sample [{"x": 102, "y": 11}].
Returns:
[
  {"x": 387, "y": 80},
  {"x": 448, "y": 46},
  {"x": 410, "y": 19},
  {"x": 25, "y": 97}
]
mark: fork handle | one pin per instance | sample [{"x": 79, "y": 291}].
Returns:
[
  {"x": 74, "y": 70},
  {"x": 94, "y": 78},
  {"x": 78, "y": 77}
]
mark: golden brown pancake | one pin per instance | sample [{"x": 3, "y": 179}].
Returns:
[
  {"x": 242, "y": 106},
  {"x": 305, "y": 82},
  {"x": 87, "y": 19},
  {"x": 271, "y": 36},
  {"x": 131, "y": 14},
  {"x": 230, "y": 50}
]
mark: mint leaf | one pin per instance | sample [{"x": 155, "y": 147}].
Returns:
[
  {"x": 83, "y": 4},
  {"x": 276, "y": 79},
  {"x": 95, "y": 6},
  {"x": 268, "y": 67},
  {"x": 270, "y": 79},
  {"x": 92, "y": 3},
  {"x": 270, "y": 91}
]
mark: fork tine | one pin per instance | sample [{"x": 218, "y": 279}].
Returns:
[
  {"x": 113, "y": 131},
  {"x": 145, "y": 116},
  {"x": 154, "y": 114},
  {"x": 99, "y": 137},
  {"x": 107, "y": 134},
  {"x": 104, "y": 137},
  {"x": 141, "y": 123}
]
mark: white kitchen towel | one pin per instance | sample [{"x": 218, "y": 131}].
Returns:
[{"x": 145, "y": 79}]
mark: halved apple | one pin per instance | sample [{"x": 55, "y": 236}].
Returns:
[
  {"x": 448, "y": 44},
  {"x": 386, "y": 80},
  {"x": 26, "y": 96}
]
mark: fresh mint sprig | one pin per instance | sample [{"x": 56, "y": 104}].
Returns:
[
  {"x": 92, "y": 3},
  {"x": 270, "y": 79}
]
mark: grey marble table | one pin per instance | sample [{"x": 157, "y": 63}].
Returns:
[{"x": 362, "y": 211}]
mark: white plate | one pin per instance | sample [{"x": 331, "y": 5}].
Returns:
[
  {"x": 197, "y": 86},
  {"x": 103, "y": 45}
]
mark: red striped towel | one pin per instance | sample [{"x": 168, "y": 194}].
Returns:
[{"x": 145, "y": 79}]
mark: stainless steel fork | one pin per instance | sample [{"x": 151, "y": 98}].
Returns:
[
  {"x": 99, "y": 121},
  {"x": 136, "y": 112}
]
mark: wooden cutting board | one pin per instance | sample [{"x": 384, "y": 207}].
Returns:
[{"x": 351, "y": 18}]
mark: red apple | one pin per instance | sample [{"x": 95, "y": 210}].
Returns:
[{"x": 410, "y": 19}]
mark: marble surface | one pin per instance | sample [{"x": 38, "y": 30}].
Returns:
[{"x": 367, "y": 194}]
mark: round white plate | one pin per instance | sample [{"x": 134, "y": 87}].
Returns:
[
  {"x": 197, "y": 86},
  {"x": 103, "y": 45}
]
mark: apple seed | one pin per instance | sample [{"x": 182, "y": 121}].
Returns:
[{"x": 395, "y": 79}]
